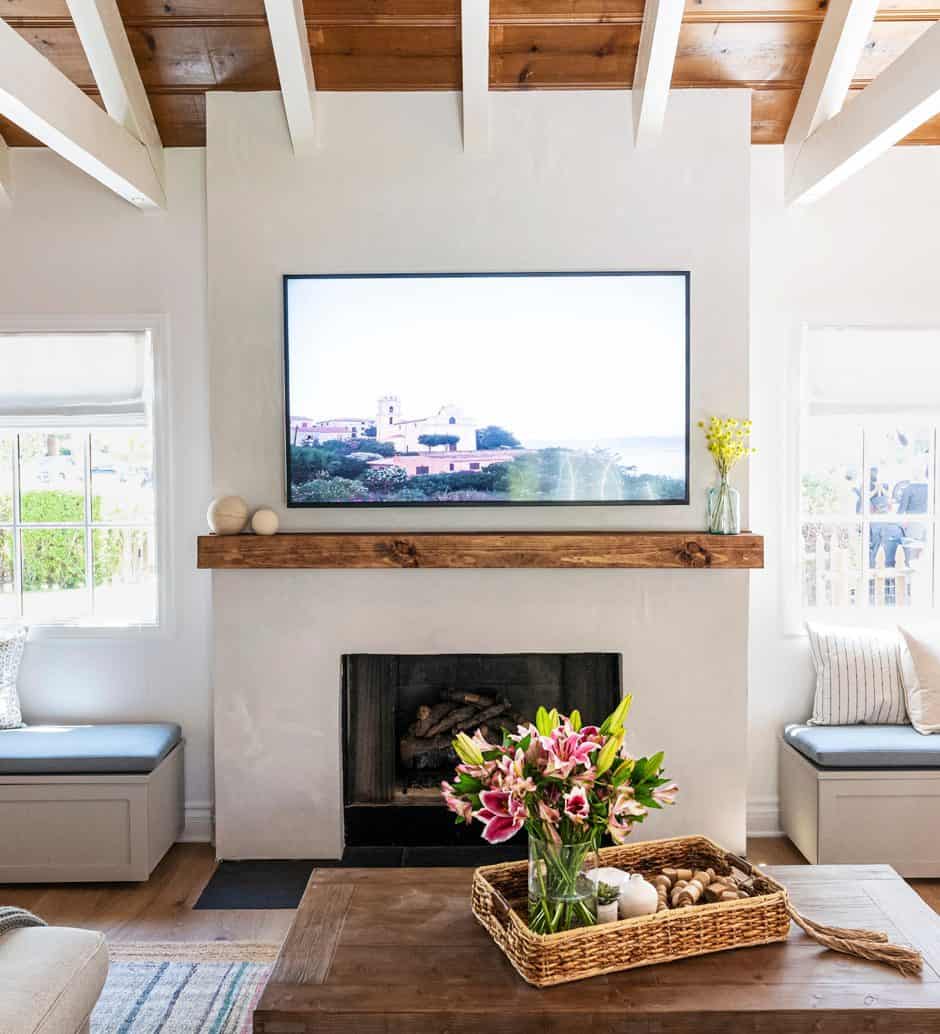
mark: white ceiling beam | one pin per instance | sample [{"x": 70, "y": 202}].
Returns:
[
  {"x": 838, "y": 49},
  {"x": 295, "y": 70},
  {"x": 104, "y": 40},
  {"x": 904, "y": 96},
  {"x": 6, "y": 174},
  {"x": 475, "y": 68},
  {"x": 656, "y": 57},
  {"x": 38, "y": 98}
]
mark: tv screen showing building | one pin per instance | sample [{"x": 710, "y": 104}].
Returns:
[{"x": 481, "y": 389}]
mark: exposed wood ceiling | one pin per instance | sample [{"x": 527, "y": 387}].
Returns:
[{"x": 187, "y": 47}]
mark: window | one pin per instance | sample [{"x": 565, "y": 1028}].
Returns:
[
  {"x": 77, "y": 502},
  {"x": 474, "y": 466},
  {"x": 422, "y": 470},
  {"x": 868, "y": 465}
]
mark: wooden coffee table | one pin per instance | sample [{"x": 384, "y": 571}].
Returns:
[{"x": 397, "y": 951}]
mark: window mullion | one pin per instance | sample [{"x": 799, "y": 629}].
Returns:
[
  {"x": 933, "y": 524},
  {"x": 89, "y": 556},
  {"x": 17, "y": 534},
  {"x": 863, "y": 589}
]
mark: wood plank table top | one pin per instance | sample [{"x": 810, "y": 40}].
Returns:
[{"x": 398, "y": 951}]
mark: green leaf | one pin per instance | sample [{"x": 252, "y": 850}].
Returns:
[
  {"x": 622, "y": 772},
  {"x": 465, "y": 785}
]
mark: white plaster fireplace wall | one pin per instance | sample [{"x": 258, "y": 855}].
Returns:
[{"x": 391, "y": 190}]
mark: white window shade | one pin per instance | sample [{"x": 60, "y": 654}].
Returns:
[
  {"x": 868, "y": 370},
  {"x": 88, "y": 378}
]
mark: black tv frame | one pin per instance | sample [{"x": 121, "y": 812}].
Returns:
[{"x": 686, "y": 275}]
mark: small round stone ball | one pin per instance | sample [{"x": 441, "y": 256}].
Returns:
[
  {"x": 227, "y": 515},
  {"x": 264, "y": 522}
]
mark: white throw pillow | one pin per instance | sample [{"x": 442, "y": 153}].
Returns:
[
  {"x": 920, "y": 665},
  {"x": 11, "y": 652},
  {"x": 858, "y": 676}
]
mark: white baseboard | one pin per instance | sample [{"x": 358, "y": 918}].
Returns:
[
  {"x": 199, "y": 823},
  {"x": 763, "y": 817}
]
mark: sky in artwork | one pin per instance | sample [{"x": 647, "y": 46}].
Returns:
[{"x": 574, "y": 359}]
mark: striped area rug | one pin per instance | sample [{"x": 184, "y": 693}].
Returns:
[{"x": 182, "y": 988}]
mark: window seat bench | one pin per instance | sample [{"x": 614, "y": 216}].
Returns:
[
  {"x": 88, "y": 802},
  {"x": 862, "y": 794}
]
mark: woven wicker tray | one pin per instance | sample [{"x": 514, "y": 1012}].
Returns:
[{"x": 500, "y": 902}]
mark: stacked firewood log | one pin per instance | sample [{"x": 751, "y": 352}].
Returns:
[{"x": 427, "y": 744}]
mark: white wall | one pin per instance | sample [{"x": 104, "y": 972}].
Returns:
[
  {"x": 68, "y": 247},
  {"x": 391, "y": 190},
  {"x": 867, "y": 253}
]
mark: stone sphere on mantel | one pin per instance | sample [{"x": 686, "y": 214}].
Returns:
[
  {"x": 227, "y": 515},
  {"x": 264, "y": 522}
]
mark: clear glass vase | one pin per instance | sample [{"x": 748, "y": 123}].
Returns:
[
  {"x": 724, "y": 509},
  {"x": 561, "y": 897}
]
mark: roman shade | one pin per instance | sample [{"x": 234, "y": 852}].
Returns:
[
  {"x": 871, "y": 370},
  {"x": 74, "y": 378}
]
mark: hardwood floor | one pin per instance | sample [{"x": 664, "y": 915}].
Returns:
[
  {"x": 162, "y": 908},
  {"x": 159, "y": 910}
]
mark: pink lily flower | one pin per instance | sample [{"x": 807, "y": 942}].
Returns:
[
  {"x": 666, "y": 794},
  {"x": 618, "y": 829},
  {"x": 511, "y": 775},
  {"x": 479, "y": 740},
  {"x": 622, "y": 812},
  {"x": 627, "y": 804},
  {"x": 458, "y": 805},
  {"x": 502, "y": 814},
  {"x": 566, "y": 751},
  {"x": 577, "y": 807},
  {"x": 549, "y": 814}
]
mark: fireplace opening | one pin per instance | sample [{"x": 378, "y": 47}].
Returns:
[{"x": 401, "y": 711}]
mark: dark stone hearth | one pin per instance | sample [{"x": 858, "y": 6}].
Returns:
[{"x": 430, "y": 857}]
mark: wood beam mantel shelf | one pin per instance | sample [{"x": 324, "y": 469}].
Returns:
[{"x": 596, "y": 549}]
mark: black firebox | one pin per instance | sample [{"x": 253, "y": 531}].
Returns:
[{"x": 400, "y": 712}]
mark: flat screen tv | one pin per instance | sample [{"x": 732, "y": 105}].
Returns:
[{"x": 484, "y": 389}]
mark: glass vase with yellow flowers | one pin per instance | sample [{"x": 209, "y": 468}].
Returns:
[{"x": 728, "y": 441}]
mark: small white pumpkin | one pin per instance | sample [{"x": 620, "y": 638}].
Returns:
[{"x": 637, "y": 897}]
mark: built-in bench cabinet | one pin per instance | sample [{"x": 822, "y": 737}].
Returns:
[
  {"x": 88, "y": 803},
  {"x": 857, "y": 807}
]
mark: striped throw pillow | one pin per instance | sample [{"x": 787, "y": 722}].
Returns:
[{"x": 858, "y": 676}]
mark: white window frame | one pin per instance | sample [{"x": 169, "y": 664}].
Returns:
[
  {"x": 795, "y": 614},
  {"x": 157, "y": 326}
]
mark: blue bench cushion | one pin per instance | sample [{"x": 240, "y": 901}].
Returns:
[
  {"x": 865, "y": 746},
  {"x": 86, "y": 749}
]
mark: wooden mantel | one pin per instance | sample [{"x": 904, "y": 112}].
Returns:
[{"x": 576, "y": 549}]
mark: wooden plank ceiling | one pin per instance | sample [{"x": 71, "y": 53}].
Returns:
[{"x": 186, "y": 47}]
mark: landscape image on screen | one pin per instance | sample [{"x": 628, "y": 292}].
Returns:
[{"x": 482, "y": 389}]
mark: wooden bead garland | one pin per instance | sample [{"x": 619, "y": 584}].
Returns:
[{"x": 682, "y": 888}]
